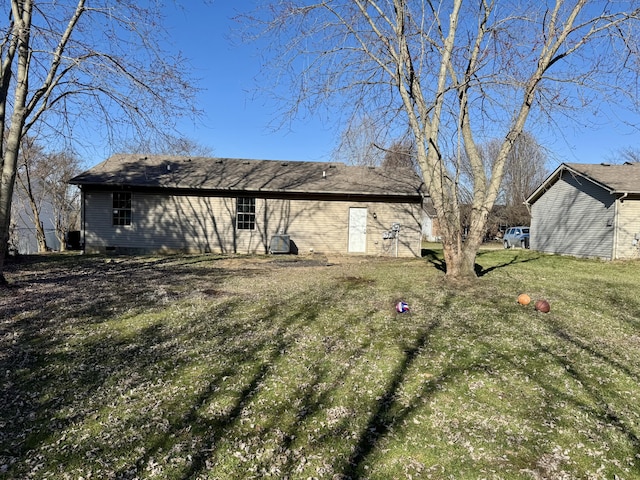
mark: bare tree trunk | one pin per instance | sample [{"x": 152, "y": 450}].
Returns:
[
  {"x": 6, "y": 193},
  {"x": 21, "y": 28},
  {"x": 34, "y": 206},
  {"x": 41, "y": 237},
  {"x": 10, "y": 161},
  {"x": 62, "y": 240},
  {"x": 460, "y": 263}
]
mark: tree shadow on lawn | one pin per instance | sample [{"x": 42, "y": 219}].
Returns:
[
  {"x": 603, "y": 403},
  {"x": 617, "y": 296},
  {"x": 65, "y": 374},
  {"x": 587, "y": 395},
  {"x": 103, "y": 286},
  {"x": 67, "y": 378},
  {"x": 62, "y": 385},
  {"x": 310, "y": 394},
  {"x": 384, "y": 418},
  {"x": 51, "y": 371},
  {"x": 213, "y": 431},
  {"x": 518, "y": 258},
  {"x": 435, "y": 258}
]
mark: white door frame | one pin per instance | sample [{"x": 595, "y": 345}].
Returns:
[{"x": 357, "y": 230}]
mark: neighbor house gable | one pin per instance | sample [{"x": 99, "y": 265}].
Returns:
[{"x": 615, "y": 179}]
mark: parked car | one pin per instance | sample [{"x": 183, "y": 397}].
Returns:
[{"x": 516, "y": 237}]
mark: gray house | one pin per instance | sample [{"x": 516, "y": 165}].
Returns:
[
  {"x": 134, "y": 204},
  {"x": 22, "y": 235},
  {"x": 588, "y": 210}
]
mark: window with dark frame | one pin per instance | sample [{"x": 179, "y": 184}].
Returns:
[
  {"x": 246, "y": 213},
  {"x": 121, "y": 208}
]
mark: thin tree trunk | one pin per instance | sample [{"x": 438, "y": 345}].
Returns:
[
  {"x": 62, "y": 240},
  {"x": 41, "y": 238}
]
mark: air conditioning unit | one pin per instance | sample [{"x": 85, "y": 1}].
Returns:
[{"x": 279, "y": 244}]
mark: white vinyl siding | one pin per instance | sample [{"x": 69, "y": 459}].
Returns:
[
  {"x": 574, "y": 217},
  {"x": 208, "y": 224}
]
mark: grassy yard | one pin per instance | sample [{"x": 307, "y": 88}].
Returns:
[{"x": 220, "y": 368}]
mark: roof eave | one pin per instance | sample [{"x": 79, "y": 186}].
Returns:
[
  {"x": 544, "y": 186},
  {"x": 625, "y": 192},
  {"x": 390, "y": 194}
]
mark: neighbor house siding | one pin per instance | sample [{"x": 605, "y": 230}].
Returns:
[
  {"x": 164, "y": 222},
  {"x": 574, "y": 217},
  {"x": 628, "y": 225}
]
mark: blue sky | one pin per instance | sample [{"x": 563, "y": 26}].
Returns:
[
  {"x": 237, "y": 120},
  {"x": 238, "y": 123}
]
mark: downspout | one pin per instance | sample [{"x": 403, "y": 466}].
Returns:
[
  {"x": 528, "y": 207},
  {"x": 614, "y": 252}
]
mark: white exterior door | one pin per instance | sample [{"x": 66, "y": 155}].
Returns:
[{"x": 357, "y": 230}]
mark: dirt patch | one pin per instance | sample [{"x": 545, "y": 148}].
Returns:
[
  {"x": 315, "y": 261},
  {"x": 357, "y": 281},
  {"x": 42, "y": 284}
]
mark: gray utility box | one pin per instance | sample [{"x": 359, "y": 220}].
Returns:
[{"x": 280, "y": 244}]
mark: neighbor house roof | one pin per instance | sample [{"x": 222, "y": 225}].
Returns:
[
  {"x": 240, "y": 175},
  {"x": 617, "y": 179}
]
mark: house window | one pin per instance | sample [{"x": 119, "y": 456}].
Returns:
[
  {"x": 121, "y": 208},
  {"x": 246, "y": 213}
]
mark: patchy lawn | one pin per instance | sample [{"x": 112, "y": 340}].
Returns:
[{"x": 217, "y": 367}]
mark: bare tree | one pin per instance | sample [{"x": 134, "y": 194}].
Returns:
[
  {"x": 458, "y": 73},
  {"x": 362, "y": 143},
  {"x": 167, "y": 145},
  {"x": 31, "y": 189},
  {"x": 525, "y": 170},
  {"x": 63, "y": 197},
  {"x": 358, "y": 144},
  {"x": 44, "y": 192},
  {"x": 400, "y": 154},
  {"x": 625, "y": 155},
  {"x": 66, "y": 65}
]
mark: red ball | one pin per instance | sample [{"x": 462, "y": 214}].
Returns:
[{"x": 543, "y": 306}]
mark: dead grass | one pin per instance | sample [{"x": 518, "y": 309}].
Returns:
[{"x": 299, "y": 367}]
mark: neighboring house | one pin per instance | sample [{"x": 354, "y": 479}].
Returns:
[
  {"x": 588, "y": 210},
  {"x": 430, "y": 225},
  {"x": 133, "y": 204},
  {"x": 23, "y": 232}
]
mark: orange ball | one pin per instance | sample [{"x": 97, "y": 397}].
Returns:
[{"x": 524, "y": 299}]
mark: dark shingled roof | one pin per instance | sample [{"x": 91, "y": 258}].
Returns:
[
  {"x": 235, "y": 175},
  {"x": 623, "y": 178},
  {"x": 617, "y": 179}
]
